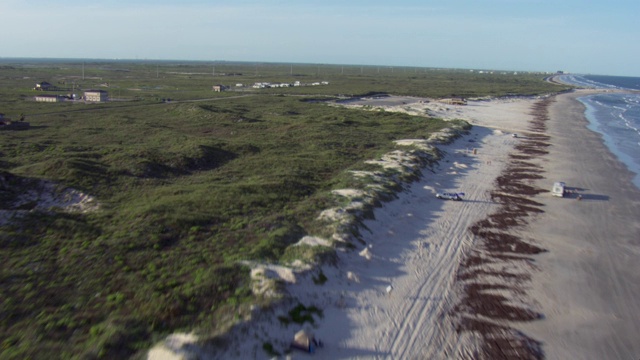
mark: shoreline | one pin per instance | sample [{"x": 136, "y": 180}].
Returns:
[
  {"x": 594, "y": 125},
  {"x": 570, "y": 289},
  {"x": 588, "y": 286}
]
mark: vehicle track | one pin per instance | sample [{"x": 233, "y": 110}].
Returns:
[{"x": 418, "y": 325}]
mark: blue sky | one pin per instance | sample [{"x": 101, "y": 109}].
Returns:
[{"x": 595, "y": 37}]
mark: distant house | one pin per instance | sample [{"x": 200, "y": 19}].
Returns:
[
  {"x": 49, "y": 98},
  {"x": 43, "y": 86},
  {"x": 218, "y": 88},
  {"x": 95, "y": 95}
]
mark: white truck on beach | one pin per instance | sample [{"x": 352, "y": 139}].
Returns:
[{"x": 558, "y": 189}]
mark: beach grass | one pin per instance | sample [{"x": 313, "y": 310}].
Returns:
[{"x": 186, "y": 189}]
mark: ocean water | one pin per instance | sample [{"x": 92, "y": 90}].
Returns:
[{"x": 614, "y": 115}]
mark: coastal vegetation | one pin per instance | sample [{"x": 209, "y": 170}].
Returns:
[{"x": 188, "y": 185}]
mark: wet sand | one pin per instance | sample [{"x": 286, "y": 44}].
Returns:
[
  {"x": 588, "y": 286},
  {"x": 549, "y": 277}
]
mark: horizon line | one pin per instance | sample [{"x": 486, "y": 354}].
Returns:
[{"x": 98, "y": 59}]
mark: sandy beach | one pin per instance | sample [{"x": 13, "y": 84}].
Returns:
[
  {"x": 510, "y": 272},
  {"x": 588, "y": 286}
]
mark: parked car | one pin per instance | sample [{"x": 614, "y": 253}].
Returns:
[
  {"x": 558, "y": 189},
  {"x": 450, "y": 196}
]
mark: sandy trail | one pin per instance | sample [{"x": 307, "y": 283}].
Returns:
[{"x": 420, "y": 240}]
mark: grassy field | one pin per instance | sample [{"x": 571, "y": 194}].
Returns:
[{"x": 187, "y": 188}]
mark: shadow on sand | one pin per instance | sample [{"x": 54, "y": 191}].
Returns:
[
  {"x": 587, "y": 197},
  {"x": 578, "y": 194}
]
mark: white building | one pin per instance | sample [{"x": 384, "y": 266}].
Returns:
[{"x": 48, "y": 98}]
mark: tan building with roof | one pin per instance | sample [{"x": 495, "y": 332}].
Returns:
[{"x": 96, "y": 95}]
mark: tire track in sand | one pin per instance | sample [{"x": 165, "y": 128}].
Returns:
[{"x": 420, "y": 320}]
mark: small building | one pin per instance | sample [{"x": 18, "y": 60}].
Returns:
[
  {"x": 43, "y": 86},
  {"x": 454, "y": 101},
  {"x": 95, "y": 95},
  {"x": 49, "y": 98},
  {"x": 218, "y": 88}
]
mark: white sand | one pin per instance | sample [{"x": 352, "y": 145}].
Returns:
[
  {"x": 392, "y": 297},
  {"x": 48, "y": 196}
]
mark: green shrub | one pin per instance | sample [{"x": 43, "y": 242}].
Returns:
[
  {"x": 268, "y": 348},
  {"x": 320, "y": 279}
]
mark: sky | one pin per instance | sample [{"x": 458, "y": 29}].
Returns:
[{"x": 586, "y": 37}]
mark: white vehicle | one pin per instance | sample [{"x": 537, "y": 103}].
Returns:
[
  {"x": 450, "y": 196},
  {"x": 558, "y": 189}
]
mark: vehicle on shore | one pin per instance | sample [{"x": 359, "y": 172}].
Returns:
[
  {"x": 450, "y": 196},
  {"x": 559, "y": 189}
]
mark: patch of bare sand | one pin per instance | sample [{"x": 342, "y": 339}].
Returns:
[{"x": 44, "y": 196}]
